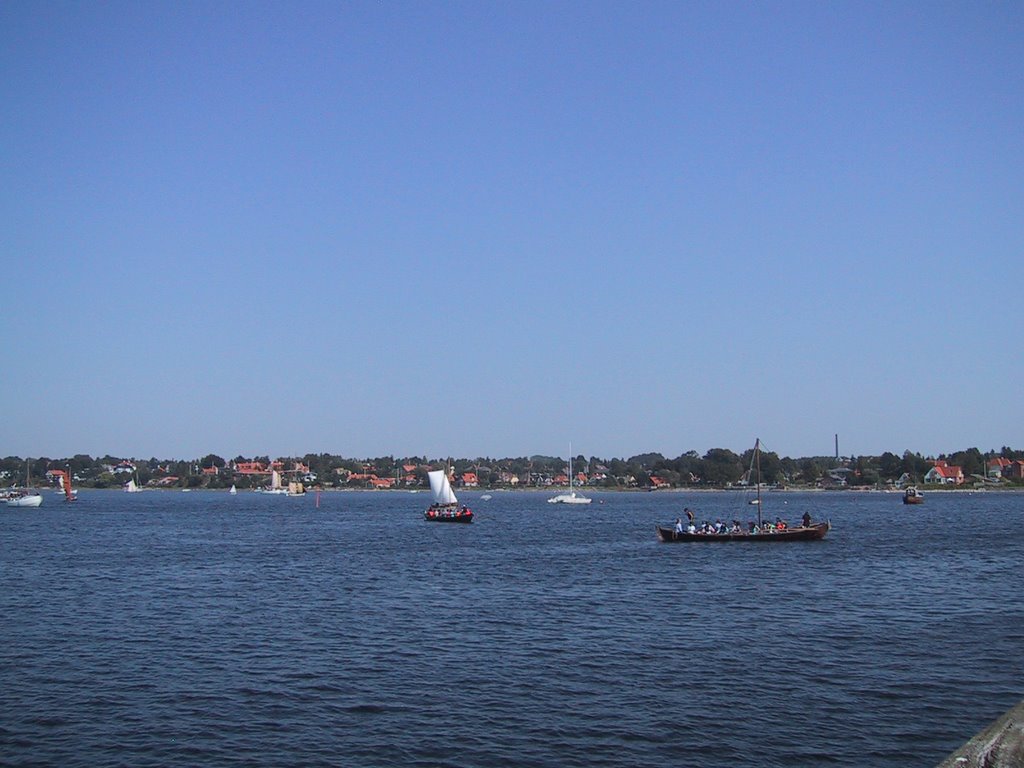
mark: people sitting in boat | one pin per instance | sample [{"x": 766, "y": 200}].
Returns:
[
  {"x": 807, "y": 519},
  {"x": 679, "y": 525},
  {"x": 706, "y": 527},
  {"x": 780, "y": 524},
  {"x": 719, "y": 526},
  {"x": 735, "y": 527},
  {"x": 691, "y": 528}
]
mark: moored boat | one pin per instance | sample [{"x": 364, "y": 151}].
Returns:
[
  {"x": 445, "y": 508},
  {"x": 571, "y": 497},
  {"x": 24, "y": 498}
]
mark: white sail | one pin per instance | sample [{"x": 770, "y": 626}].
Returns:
[
  {"x": 275, "y": 479},
  {"x": 441, "y": 488},
  {"x": 131, "y": 486}
]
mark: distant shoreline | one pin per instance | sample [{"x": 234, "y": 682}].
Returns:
[{"x": 559, "y": 489}]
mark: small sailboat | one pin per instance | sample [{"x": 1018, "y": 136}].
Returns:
[
  {"x": 233, "y": 490},
  {"x": 64, "y": 481},
  {"x": 131, "y": 486},
  {"x": 276, "y": 487},
  {"x": 571, "y": 497},
  {"x": 445, "y": 508}
]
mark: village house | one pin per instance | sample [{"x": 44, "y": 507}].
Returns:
[
  {"x": 998, "y": 467},
  {"x": 469, "y": 480},
  {"x": 1014, "y": 471},
  {"x": 945, "y": 474},
  {"x": 251, "y": 468}
]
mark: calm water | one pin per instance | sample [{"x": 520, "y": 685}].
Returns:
[{"x": 203, "y": 629}]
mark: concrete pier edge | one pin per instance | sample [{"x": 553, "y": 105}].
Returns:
[{"x": 1001, "y": 745}]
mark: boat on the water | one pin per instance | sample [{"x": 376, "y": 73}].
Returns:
[
  {"x": 24, "y": 497},
  {"x": 761, "y": 532},
  {"x": 799, "y": 533},
  {"x": 913, "y": 496},
  {"x": 64, "y": 481},
  {"x": 571, "y": 497},
  {"x": 132, "y": 486},
  {"x": 276, "y": 488},
  {"x": 445, "y": 508}
]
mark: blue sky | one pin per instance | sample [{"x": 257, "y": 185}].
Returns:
[{"x": 490, "y": 229}]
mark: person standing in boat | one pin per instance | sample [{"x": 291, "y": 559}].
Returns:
[
  {"x": 689, "y": 514},
  {"x": 807, "y": 519}
]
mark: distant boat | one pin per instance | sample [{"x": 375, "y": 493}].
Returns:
[
  {"x": 131, "y": 486},
  {"x": 64, "y": 481},
  {"x": 445, "y": 508},
  {"x": 762, "y": 533},
  {"x": 233, "y": 490},
  {"x": 24, "y": 497},
  {"x": 275, "y": 485},
  {"x": 913, "y": 496},
  {"x": 570, "y": 497}
]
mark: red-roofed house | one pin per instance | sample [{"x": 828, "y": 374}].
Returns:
[
  {"x": 469, "y": 480},
  {"x": 945, "y": 474},
  {"x": 251, "y": 468}
]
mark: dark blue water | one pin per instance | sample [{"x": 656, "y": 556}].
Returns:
[{"x": 203, "y": 629}]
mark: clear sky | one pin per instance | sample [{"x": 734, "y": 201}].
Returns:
[{"x": 495, "y": 228}]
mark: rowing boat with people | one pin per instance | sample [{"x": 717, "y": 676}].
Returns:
[{"x": 759, "y": 532}]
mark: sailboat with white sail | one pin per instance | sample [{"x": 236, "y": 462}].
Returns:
[
  {"x": 445, "y": 508},
  {"x": 276, "y": 486},
  {"x": 571, "y": 497}
]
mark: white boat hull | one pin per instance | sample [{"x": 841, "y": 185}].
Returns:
[
  {"x": 29, "y": 500},
  {"x": 568, "y": 498}
]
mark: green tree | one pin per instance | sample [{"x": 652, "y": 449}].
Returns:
[
  {"x": 212, "y": 460},
  {"x": 722, "y": 466}
]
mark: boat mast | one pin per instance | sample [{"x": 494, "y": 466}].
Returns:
[
  {"x": 570, "y": 469},
  {"x": 757, "y": 463}
]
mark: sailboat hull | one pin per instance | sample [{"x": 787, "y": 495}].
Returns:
[
  {"x": 442, "y": 516},
  {"x": 28, "y": 500},
  {"x": 810, "y": 533}
]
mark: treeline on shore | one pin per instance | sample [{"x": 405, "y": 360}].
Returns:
[{"x": 717, "y": 468}]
